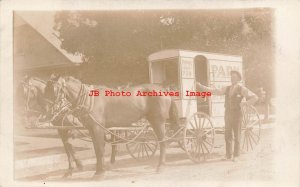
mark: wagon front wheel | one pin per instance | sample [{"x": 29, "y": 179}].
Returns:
[
  {"x": 145, "y": 142},
  {"x": 198, "y": 137}
]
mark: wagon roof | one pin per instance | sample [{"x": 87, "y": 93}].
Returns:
[{"x": 171, "y": 53}]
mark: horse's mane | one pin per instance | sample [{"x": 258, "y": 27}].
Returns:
[
  {"x": 73, "y": 79},
  {"x": 38, "y": 79}
]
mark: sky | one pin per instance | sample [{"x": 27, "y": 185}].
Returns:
[{"x": 43, "y": 22}]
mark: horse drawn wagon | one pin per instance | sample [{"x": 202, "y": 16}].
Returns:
[
  {"x": 200, "y": 117},
  {"x": 203, "y": 116}
]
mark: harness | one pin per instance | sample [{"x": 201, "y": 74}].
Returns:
[{"x": 84, "y": 103}]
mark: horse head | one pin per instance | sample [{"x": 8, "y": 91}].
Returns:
[
  {"x": 61, "y": 89},
  {"x": 31, "y": 91}
]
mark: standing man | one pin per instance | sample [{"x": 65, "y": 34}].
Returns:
[{"x": 234, "y": 94}]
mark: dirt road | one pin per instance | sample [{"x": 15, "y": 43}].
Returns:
[{"x": 256, "y": 165}]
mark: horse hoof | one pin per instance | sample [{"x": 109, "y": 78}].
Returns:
[
  {"x": 79, "y": 166},
  {"x": 108, "y": 167},
  {"x": 160, "y": 169},
  {"x": 67, "y": 174},
  {"x": 98, "y": 176}
]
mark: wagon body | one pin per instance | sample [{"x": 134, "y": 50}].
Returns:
[{"x": 207, "y": 68}]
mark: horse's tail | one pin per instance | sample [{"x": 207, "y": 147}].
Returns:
[{"x": 173, "y": 115}]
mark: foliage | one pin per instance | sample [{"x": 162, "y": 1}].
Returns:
[{"x": 117, "y": 43}]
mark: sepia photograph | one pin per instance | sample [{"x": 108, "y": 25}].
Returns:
[
  {"x": 59, "y": 57},
  {"x": 139, "y": 96}
]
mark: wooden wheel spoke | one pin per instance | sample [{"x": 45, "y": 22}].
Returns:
[
  {"x": 252, "y": 138},
  {"x": 145, "y": 150},
  {"x": 139, "y": 150},
  {"x": 196, "y": 123},
  {"x": 254, "y": 134},
  {"x": 195, "y": 149},
  {"x": 210, "y": 137},
  {"x": 136, "y": 148},
  {"x": 152, "y": 143},
  {"x": 204, "y": 122},
  {"x": 244, "y": 139},
  {"x": 192, "y": 125},
  {"x": 208, "y": 143},
  {"x": 202, "y": 149},
  {"x": 207, "y": 131},
  {"x": 191, "y": 131},
  {"x": 252, "y": 124},
  {"x": 248, "y": 116},
  {"x": 206, "y": 147},
  {"x": 250, "y": 142},
  {"x": 244, "y": 119},
  {"x": 152, "y": 150}
]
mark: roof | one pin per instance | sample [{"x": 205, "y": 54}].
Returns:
[
  {"x": 172, "y": 53},
  {"x": 43, "y": 23}
]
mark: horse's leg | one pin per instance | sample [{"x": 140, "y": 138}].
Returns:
[
  {"x": 97, "y": 134},
  {"x": 73, "y": 154},
  {"x": 113, "y": 150},
  {"x": 64, "y": 137},
  {"x": 70, "y": 146},
  {"x": 159, "y": 129}
]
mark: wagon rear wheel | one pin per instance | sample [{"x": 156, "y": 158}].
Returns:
[
  {"x": 198, "y": 137},
  {"x": 145, "y": 145},
  {"x": 250, "y": 128}
]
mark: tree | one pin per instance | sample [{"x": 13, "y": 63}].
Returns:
[{"x": 116, "y": 44}]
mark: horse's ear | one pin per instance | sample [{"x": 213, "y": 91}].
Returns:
[
  {"x": 54, "y": 77},
  {"x": 57, "y": 76},
  {"x": 26, "y": 78},
  {"x": 62, "y": 81}
]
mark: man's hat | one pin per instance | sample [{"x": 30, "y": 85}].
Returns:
[{"x": 237, "y": 73}]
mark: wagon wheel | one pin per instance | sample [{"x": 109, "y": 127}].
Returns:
[
  {"x": 145, "y": 145},
  {"x": 250, "y": 128},
  {"x": 198, "y": 137},
  {"x": 169, "y": 133}
]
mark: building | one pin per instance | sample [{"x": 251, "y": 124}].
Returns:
[{"x": 37, "y": 50}]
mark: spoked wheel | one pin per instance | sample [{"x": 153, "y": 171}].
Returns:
[
  {"x": 145, "y": 144},
  {"x": 250, "y": 128},
  {"x": 198, "y": 137},
  {"x": 177, "y": 139}
]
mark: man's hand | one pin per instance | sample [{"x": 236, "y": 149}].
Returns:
[{"x": 199, "y": 85}]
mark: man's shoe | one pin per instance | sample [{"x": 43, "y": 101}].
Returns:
[
  {"x": 235, "y": 159},
  {"x": 226, "y": 158}
]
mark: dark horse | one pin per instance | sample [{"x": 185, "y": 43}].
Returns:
[
  {"x": 33, "y": 91},
  {"x": 102, "y": 112}
]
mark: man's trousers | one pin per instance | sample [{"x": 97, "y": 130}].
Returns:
[{"x": 233, "y": 123}]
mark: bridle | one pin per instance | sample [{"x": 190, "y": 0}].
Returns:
[
  {"x": 30, "y": 89},
  {"x": 32, "y": 92},
  {"x": 80, "y": 101}
]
